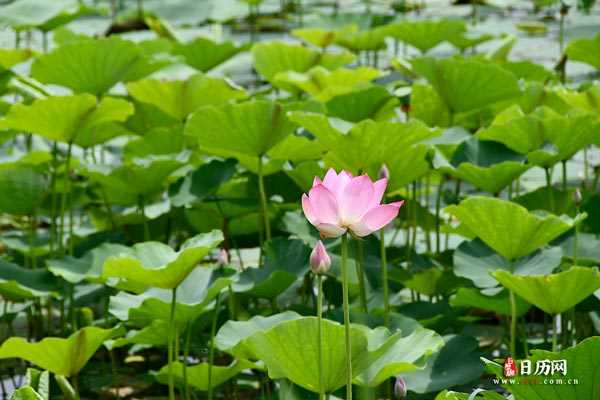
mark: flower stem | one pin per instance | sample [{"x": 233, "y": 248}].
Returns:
[
  {"x": 346, "y": 316},
  {"x": 555, "y": 333},
  {"x": 63, "y": 203},
  {"x": 384, "y": 279},
  {"x": 360, "y": 273},
  {"x": 263, "y": 200},
  {"x": 186, "y": 353},
  {"x": 320, "y": 335},
  {"x": 513, "y": 324},
  {"x": 142, "y": 210},
  {"x": 170, "y": 344},
  {"x": 211, "y": 355}
]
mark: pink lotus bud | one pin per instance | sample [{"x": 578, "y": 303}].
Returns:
[
  {"x": 319, "y": 259},
  {"x": 577, "y": 198},
  {"x": 223, "y": 258},
  {"x": 384, "y": 172},
  {"x": 400, "y": 388}
]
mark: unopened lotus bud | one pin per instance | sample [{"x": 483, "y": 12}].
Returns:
[
  {"x": 223, "y": 257},
  {"x": 384, "y": 172},
  {"x": 319, "y": 259},
  {"x": 400, "y": 388},
  {"x": 577, "y": 197}
]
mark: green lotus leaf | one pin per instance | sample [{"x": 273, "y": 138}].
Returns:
[
  {"x": 197, "y": 375},
  {"x": 406, "y": 354},
  {"x": 194, "y": 297},
  {"x": 12, "y": 57},
  {"x": 579, "y": 366},
  {"x": 479, "y": 395},
  {"x": 89, "y": 266},
  {"x": 139, "y": 179},
  {"x": 232, "y": 334},
  {"x": 587, "y": 99},
  {"x": 271, "y": 58},
  {"x": 321, "y": 37},
  {"x": 39, "y": 381},
  {"x": 67, "y": 118},
  {"x": 23, "y": 188},
  {"x": 394, "y": 144},
  {"x": 357, "y": 41},
  {"x": 59, "y": 356},
  {"x": 474, "y": 260},
  {"x": 555, "y": 293},
  {"x": 550, "y": 199},
  {"x": 428, "y": 106},
  {"x": 27, "y": 14},
  {"x": 517, "y": 131},
  {"x": 158, "y": 141},
  {"x": 250, "y": 128},
  {"x": 155, "y": 334},
  {"x": 455, "y": 364},
  {"x": 96, "y": 66},
  {"x": 528, "y": 71},
  {"x": 181, "y": 98},
  {"x": 296, "y": 148},
  {"x": 585, "y": 50},
  {"x": 204, "y": 54},
  {"x": 468, "y": 85},
  {"x": 425, "y": 35},
  {"x": 157, "y": 265},
  {"x": 499, "y": 302},
  {"x": 286, "y": 261},
  {"x": 26, "y": 393},
  {"x": 491, "y": 179},
  {"x": 323, "y": 84},
  {"x": 374, "y": 102},
  {"x": 18, "y": 283},
  {"x": 509, "y": 228},
  {"x": 431, "y": 281},
  {"x": 464, "y": 41}
]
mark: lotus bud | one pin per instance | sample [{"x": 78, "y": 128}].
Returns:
[
  {"x": 384, "y": 172},
  {"x": 400, "y": 388},
  {"x": 577, "y": 197},
  {"x": 319, "y": 259},
  {"x": 223, "y": 257}
]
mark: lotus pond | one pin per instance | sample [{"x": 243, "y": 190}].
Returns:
[{"x": 299, "y": 199}]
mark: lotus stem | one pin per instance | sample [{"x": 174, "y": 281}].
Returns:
[
  {"x": 320, "y": 335},
  {"x": 63, "y": 203},
  {"x": 32, "y": 239},
  {"x": 263, "y": 199},
  {"x": 555, "y": 333},
  {"x": 438, "y": 203},
  {"x": 360, "y": 273},
  {"x": 513, "y": 324},
  {"x": 170, "y": 340},
  {"x": 211, "y": 354},
  {"x": 346, "y": 306},
  {"x": 384, "y": 278},
  {"x": 186, "y": 353},
  {"x": 564, "y": 174},
  {"x": 142, "y": 211}
]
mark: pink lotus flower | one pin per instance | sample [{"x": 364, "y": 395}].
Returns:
[{"x": 344, "y": 202}]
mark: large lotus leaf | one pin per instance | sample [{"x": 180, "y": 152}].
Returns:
[
  {"x": 497, "y": 302},
  {"x": 88, "y": 267},
  {"x": 287, "y": 345},
  {"x": 509, "y": 228},
  {"x": 158, "y": 141},
  {"x": 157, "y": 265},
  {"x": 587, "y": 99},
  {"x": 517, "y": 131},
  {"x": 140, "y": 178},
  {"x": 528, "y": 71},
  {"x": 321, "y": 37},
  {"x": 204, "y": 54},
  {"x": 374, "y": 102},
  {"x": 555, "y": 293},
  {"x": 194, "y": 297},
  {"x": 22, "y": 242},
  {"x": 467, "y": 85},
  {"x": 18, "y": 283},
  {"x": 479, "y": 394},
  {"x": 202, "y": 182},
  {"x": 551, "y": 199},
  {"x": 181, "y": 98},
  {"x": 581, "y": 366},
  {"x": 22, "y": 188},
  {"x": 66, "y": 118},
  {"x": 474, "y": 260},
  {"x": 250, "y": 128},
  {"x": 428, "y": 106},
  {"x": 492, "y": 179},
  {"x": 285, "y": 262},
  {"x": 390, "y": 143},
  {"x": 232, "y": 335},
  {"x": 322, "y": 84},
  {"x": 357, "y": 41},
  {"x": 26, "y": 14},
  {"x": 425, "y": 35},
  {"x": 272, "y": 58},
  {"x": 26, "y": 393},
  {"x": 585, "y": 50},
  {"x": 407, "y": 354},
  {"x": 197, "y": 375},
  {"x": 455, "y": 364},
  {"x": 155, "y": 334},
  {"x": 465, "y": 40},
  {"x": 59, "y": 356},
  {"x": 296, "y": 148},
  {"x": 567, "y": 134},
  {"x": 95, "y": 66}
]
